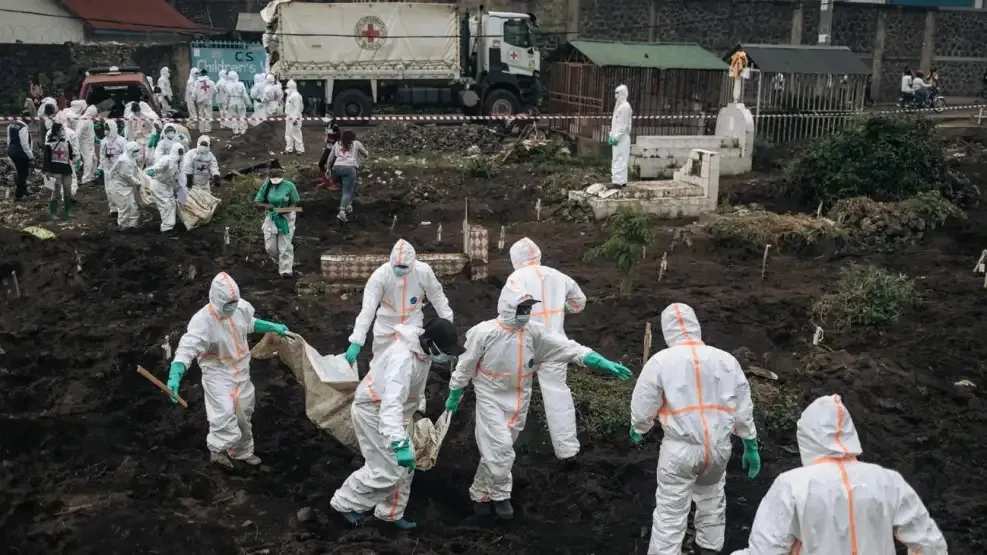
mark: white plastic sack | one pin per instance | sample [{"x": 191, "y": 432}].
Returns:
[
  {"x": 428, "y": 438},
  {"x": 198, "y": 209},
  {"x": 49, "y": 183},
  {"x": 326, "y": 404}
]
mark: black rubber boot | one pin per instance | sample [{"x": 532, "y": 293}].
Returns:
[
  {"x": 504, "y": 509},
  {"x": 481, "y": 509}
]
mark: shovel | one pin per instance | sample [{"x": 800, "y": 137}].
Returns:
[{"x": 150, "y": 377}]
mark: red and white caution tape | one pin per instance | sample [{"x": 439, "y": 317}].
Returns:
[{"x": 440, "y": 118}]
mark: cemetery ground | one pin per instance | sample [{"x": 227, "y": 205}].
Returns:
[{"x": 93, "y": 459}]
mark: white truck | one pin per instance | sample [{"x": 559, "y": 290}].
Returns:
[{"x": 352, "y": 56}]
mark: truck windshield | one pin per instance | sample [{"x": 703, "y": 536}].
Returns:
[{"x": 517, "y": 32}]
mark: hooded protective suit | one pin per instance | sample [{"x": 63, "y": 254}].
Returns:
[
  {"x": 201, "y": 164},
  {"x": 123, "y": 183},
  {"x": 219, "y": 343},
  {"x": 164, "y": 83},
  {"x": 702, "y": 396},
  {"x": 294, "y": 105},
  {"x": 236, "y": 109},
  {"x": 87, "y": 143},
  {"x": 398, "y": 300},
  {"x": 257, "y": 94},
  {"x": 193, "y": 74},
  {"x": 501, "y": 357},
  {"x": 559, "y": 295},
  {"x": 110, "y": 150},
  {"x": 837, "y": 505},
  {"x": 384, "y": 405},
  {"x": 140, "y": 125},
  {"x": 205, "y": 91},
  {"x": 163, "y": 149},
  {"x": 273, "y": 96},
  {"x": 166, "y": 182},
  {"x": 620, "y": 137},
  {"x": 223, "y": 97}
]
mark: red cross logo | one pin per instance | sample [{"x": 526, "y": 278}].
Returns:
[
  {"x": 514, "y": 55},
  {"x": 205, "y": 85},
  {"x": 371, "y": 33},
  {"x": 203, "y": 168}
]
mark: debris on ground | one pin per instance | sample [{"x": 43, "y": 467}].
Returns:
[{"x": 409, "y": 139}]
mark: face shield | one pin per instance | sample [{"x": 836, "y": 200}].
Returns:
[{"x": 230, "y": 307}]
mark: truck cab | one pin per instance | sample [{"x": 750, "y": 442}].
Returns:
[
  {"x": 112, "y": 88},
  {"x": 506, "y": 59}
]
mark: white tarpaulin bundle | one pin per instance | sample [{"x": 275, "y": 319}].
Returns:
[
  {"x": 330, "y": 383},
  {"x": 199, "y": 207}
]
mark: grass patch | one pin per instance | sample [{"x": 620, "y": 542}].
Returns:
[
  {"x": 480, "y": 166},
  {"x": 927, "y": 210},
  {"x": 757, "y": 228},
  {"x": 866, "y": 295},
  {"x": 603, "y": 403},
  {"x": 237, "y": 210},
  {"x": 776, "y": 408}
]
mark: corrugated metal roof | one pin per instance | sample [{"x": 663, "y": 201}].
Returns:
[
  {"x": 127, "y": 15},
  {"x": 653, "y": 55},
  {"x": 793, "y": 58},
  {"x": 250, "y": 23}
]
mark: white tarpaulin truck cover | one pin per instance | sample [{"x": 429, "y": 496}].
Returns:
[{"x": 374, "y": 40}]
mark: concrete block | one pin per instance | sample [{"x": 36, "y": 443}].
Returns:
[{"x": 358, "y": 267}]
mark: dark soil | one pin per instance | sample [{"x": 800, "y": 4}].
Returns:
[{"x": 93, "y": 459}]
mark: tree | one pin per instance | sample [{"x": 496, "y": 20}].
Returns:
[{"x": 630, "y": 234}]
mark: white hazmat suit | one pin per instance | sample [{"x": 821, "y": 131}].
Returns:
[
  {"x": 110, "y": 150},
  {"x": 257, "y": 94},
  {"x": 382, "y": 409},
  {"x": 702, "y": 396},
  {"x": 164, "y": 83},
  {"x": 205, "y": 90},
  {"x": 201, "y": 164},
  {"x": 559, "y": 294},
  {"x": 837, "y": 505},
  {"x": 237, "y": 107},
  {"x": 123, "y": 182},
  {"x": 87, "y": 143},
  {"x": 163, "y": 148},
  {"x": 193, "y": 74},
  {"x": 166, "y": 183},
  {"x": 398, "y": 300},
  {"x": 500, "y": 359},
  {"x": 620, "y": 137},
  {"x": 273, "y": 96},
  {"x": 222, "y": 97},
  {"x": 294, "y": 105},
  {"x": 219, "y": 343}
]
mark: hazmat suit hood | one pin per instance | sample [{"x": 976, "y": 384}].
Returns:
[
  {"x": 621, "y": 94},
  {"x": 511, "y": 296},
  {"x": 170, "y": 127},
  {"x": 165, "y": 72},
  {"x": 223, "y": 290},
  {"x": 525, "y": 253},
  {"x": 146, "y": 109},
  {"x": 258, "y": 78},
  {"x": 222, "y": 74},
  {"x": 403, "y": 254},
  {"x": 203, "y": 141},
  {"x": 78, "y": 106},
  {"x": 269, "y": 79},
  {"x": 233, "y": 76},
  {"x": 826, "y": 430},
  {"x": 292, "y": 86},
  {"x": 131, "y": 152},
  {"x": 177, "y": 150},
  {"x": 679, "y": 325},
  {"x": 193, "y": 74},
  {"x": 112, "y": 131},
  {"x": 90, "y": 112}
]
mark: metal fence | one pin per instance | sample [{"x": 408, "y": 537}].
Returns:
[
  {"x": 586, "y": 89},
  {"x": 799, "y": 106}
]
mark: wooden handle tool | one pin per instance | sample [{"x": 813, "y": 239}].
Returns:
[{"x": 150, "y": 377}]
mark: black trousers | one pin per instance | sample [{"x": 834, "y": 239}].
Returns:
[{"x": 22, "y": 164}]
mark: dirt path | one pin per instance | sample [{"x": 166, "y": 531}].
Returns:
[{"x": 94, "y": 460}]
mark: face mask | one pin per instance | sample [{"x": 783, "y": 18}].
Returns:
[
  {"x": 170, "y": 134},
  {"x": 202, "y": 149},
  {"x": 441, "y": 357},
  {"x": 522, "y": 319},
  {"x": 401, "y": 272},
  {"x": 276, "y": 180},
  {"x": 230, "y": 307}
]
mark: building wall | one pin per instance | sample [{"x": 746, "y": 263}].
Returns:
[{"x": 56, "y": 27}]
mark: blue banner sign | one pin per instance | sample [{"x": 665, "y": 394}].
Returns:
[{"x": 245, "y": 58}]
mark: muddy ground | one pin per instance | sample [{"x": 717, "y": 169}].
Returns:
[{"x": 94, "y": 460}]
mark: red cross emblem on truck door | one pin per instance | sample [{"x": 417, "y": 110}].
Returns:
[
  {"x": 514, "y": 55},
  {"x": 371, "y": 33}
]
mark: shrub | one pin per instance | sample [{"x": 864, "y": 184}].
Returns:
[
  {"x": 776, "y": 409},
  {"x": 630, "y": 232},
  {"x": 866, "y": 295},
  {"x": 480, "y": 166},
  {"x": 757, "y": 228},
  {"x": 237, "y": 211},
  {"x": 603, "y": 404},
  {"x": 884, "y": 158}
]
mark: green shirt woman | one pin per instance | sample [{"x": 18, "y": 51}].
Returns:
[{"x": 276, "y": 195}]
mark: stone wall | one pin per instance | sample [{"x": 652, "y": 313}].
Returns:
[{"x": 23, "y": 62}]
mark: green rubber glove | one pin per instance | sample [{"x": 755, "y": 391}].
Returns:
[
  {"x": 263, "y": 326},
  {"x": 595, "y": 360},
  {"x": 152, "y": 141},
  {"x": 150, "y": 172},
  {"x": 99, "y": 172},
  {"x": 352, "y": 352},
  {"x": 611, "y": 141},
  {"x": 175, "y": 374},
  {"x": 636, "y": 438},
  {"x": 403, "y": 453},
  {"x": 752, "y": 459},
  {"x": 453, "y": 400}
]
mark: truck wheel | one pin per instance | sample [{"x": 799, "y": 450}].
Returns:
[
  {"x": 352, "y": 103},
  {"x": 501, "y": 103}
]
